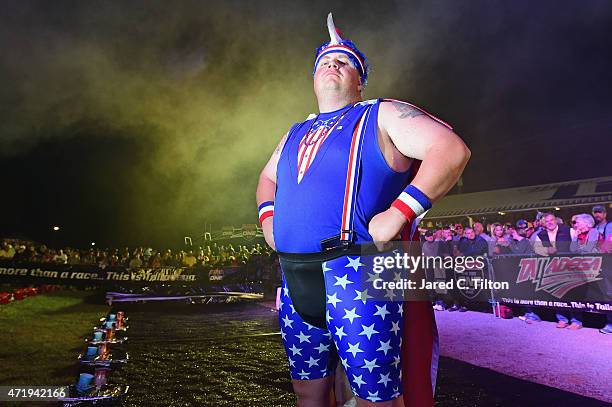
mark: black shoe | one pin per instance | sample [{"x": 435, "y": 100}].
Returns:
[
  {"x": 462, "y": 309},
  {"x": 453, "y": 308}
]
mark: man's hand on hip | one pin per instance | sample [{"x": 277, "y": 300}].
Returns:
[{"x": 386, "y": 226}]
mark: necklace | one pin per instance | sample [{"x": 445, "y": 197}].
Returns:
[{"x": 325, "y": 131}]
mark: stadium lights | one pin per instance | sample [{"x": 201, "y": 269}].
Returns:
[
  {"x": 56, "y": 228},
  {"x": 93, "y": 243},
  {"x": 557, "y": 208},
  {"x": 501, "y": 213}
]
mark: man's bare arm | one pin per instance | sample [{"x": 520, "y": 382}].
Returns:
[
  {"x": 415, "y": 134},
  {"x": 266, "y": 189}
]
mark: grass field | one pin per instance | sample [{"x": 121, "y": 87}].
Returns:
[{"x": 41, "y": 337}]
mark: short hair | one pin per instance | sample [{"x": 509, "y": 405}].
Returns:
[{"x": 585, "y": 218}]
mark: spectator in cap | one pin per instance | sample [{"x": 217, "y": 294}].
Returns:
[
  {"x": 601, "y": 218},
  {"x": 604, "y": 228},
  {"x": 519, "y": 243}
]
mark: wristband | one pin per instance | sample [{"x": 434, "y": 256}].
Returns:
[
  {"x": 266, "y": 209},
  {"x": 412, "y": 202}
]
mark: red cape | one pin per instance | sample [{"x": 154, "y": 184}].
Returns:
[{"x": 419, "y": 345}]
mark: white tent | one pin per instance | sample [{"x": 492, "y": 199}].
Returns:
[{"x": 561, "y": 194}]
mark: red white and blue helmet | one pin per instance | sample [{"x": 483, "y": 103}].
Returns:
[{"x": 345, "y": 46}]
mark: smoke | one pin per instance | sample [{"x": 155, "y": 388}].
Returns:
[{"x": 206, "y": 90}]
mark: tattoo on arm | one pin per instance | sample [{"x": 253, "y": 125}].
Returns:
[
  {"x": 280, "y": 145},
  {"x": 406, "y": 110}
]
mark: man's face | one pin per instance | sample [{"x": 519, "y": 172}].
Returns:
[
  {"x": 446, "y": 233},
  {"x": 336, "y": 72},
  {"x": 550, "y": 222},
  {"x": 478, "y": 228},
  {"x": 599, "y": 216},
  {"x": 469, "y": 233}
]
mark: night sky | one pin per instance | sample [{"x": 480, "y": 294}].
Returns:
[{"x": 138, "y": 122}]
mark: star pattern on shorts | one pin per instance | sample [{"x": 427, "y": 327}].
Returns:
[
  {"x": 350, "y": 314},
  {"x": 333, "y": 300},
  {"x": 342, "y": 281},
  {"x": 384, "y": 347},
  {"x": 354, "y": 349},
  {"x": 307, "y": 346},
  {"x": 354, "y": 263},
  {"x": 390, "y": 294},
  {"x": 384, "y": 379},
  {"x": 370, "y": 364},
  {"x": 362, "y": 295},
  {"x": 381, "y": 311},
  {"x": 358, "y": 380},
  {"x": 366, "y": 332},
  {"x": 322, "y": 348},
  {"x": 312, "y": 362},
  {"x": 373, "y": 396},
  {"x": 288, "y": 321},
  {"x": 372, "y": 277},
  {"x": 395, "y": 327}
]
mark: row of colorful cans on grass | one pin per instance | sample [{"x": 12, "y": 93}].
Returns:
[{"x": 103, "y": 355}]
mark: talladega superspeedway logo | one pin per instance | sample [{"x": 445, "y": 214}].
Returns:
[{"x": 558, "y": 275}]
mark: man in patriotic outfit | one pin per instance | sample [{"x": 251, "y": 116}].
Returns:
[{"x": 347, "y": 177}]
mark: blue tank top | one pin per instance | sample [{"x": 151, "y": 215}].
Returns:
[{"x": 310, "y": 211}]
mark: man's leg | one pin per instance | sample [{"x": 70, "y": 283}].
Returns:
[
  {"x": 314, "y": 393},
  {"x": 342, "y": 387},
  {"x": 311, "y": 354},
  {"x": 367, "y": 333}
]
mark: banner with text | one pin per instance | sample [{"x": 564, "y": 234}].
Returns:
[
  {"x": 28, "y": 273},
  {"x": 565, "y": 281}
]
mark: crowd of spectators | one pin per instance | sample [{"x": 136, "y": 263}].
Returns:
[
  {"x": 213, "y": 255},
  {"x": 545, "y": 235}
]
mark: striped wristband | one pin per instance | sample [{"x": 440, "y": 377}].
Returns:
[
  {"x": 412, "y": 202},
  {"x": 266, "y": 209}
]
